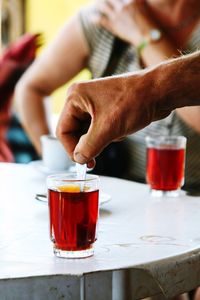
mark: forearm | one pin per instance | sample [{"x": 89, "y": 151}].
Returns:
[
  {"x": 157, "y": 52},
  {"x": 176, "y": 83},
  {"x": 31, "y": 109}
]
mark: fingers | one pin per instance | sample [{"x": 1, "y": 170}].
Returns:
[
  {"x": 116, "y": 5},
  {"x": 92, "y": 142},
  {"x": 89, "y": 121},
  {"x": 109, "y": 12},
  {"x": 66, "y": 127},
  {"x": 108, "y": 8},
  {"x": 113, "y": 5},
  {"x": 82, "y": 148},
  {"x": 76, "y": 130},
  {"x": 72, "y": 122},
  {"x": 105, "y": 9},
  {"x": 69, "y": 130}
]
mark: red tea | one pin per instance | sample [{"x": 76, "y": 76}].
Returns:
[
  {"x": 165, "y": 168},
  {"x": 73, "y": 218}
]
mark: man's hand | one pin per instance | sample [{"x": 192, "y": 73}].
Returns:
[{"x": 101, "y": 111}]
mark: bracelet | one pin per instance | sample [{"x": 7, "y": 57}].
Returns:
[
  {"x": 154, "y": 36},
  {"x": 141, "y": 47}
]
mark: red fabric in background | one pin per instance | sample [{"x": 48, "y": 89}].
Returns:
[{"x": 13, "y": 63}]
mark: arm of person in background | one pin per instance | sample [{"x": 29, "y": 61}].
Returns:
[
  {"x": 59, "y": 62},
  {"x": 132, "y": 21},
  {"x": 101, "y": 111}
]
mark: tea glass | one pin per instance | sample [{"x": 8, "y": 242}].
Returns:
[
  {"x": 73, "y": 214},
  {"x": 165, "y": 165}
]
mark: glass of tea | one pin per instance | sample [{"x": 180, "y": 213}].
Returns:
[
  {"x": 165, "y": 164},
  {"x": 73, "y": 214}
]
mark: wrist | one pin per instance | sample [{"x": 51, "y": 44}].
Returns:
[
  {"x": 153, "y": 36},
  {"x": 142, "y": 94}
]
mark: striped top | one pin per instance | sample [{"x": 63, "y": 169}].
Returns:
[{"x": 100, "y": 43}]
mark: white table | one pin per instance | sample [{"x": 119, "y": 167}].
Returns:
[{"x": 146, "y": 246}]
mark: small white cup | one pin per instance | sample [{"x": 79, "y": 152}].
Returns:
[{"x": 54, "y": 155}]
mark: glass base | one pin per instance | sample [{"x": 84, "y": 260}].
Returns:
[
  {"x": 74, "y": 254},
  {"x": 159, "y": 193}
]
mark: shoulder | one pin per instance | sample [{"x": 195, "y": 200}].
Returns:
[{"x": 94, "y": 34}]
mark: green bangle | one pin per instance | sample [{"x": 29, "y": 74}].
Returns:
[{"x": 141, "y": 46}]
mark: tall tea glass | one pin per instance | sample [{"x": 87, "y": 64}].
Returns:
[
  {"x": 165, "y": 165},
  {"x": 73, "y": 214}
]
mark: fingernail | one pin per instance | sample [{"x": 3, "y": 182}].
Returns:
[{"x": 78, "y": 157}]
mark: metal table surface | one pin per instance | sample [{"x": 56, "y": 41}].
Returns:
[{"x": 146, "y": 246}]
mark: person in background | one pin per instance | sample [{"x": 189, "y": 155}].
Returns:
[
  {"x": 109, "y": 38},
  {"x": 15, "y": 146}
]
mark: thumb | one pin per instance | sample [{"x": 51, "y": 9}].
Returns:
[{"x": 89, "y": 146}]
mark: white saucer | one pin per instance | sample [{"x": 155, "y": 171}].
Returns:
[
  {"x": 39, "y": 166},
  {"x": 103, "y": 198}
]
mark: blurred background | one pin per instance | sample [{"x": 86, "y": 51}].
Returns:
[{"x": 33, "y": 16}]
